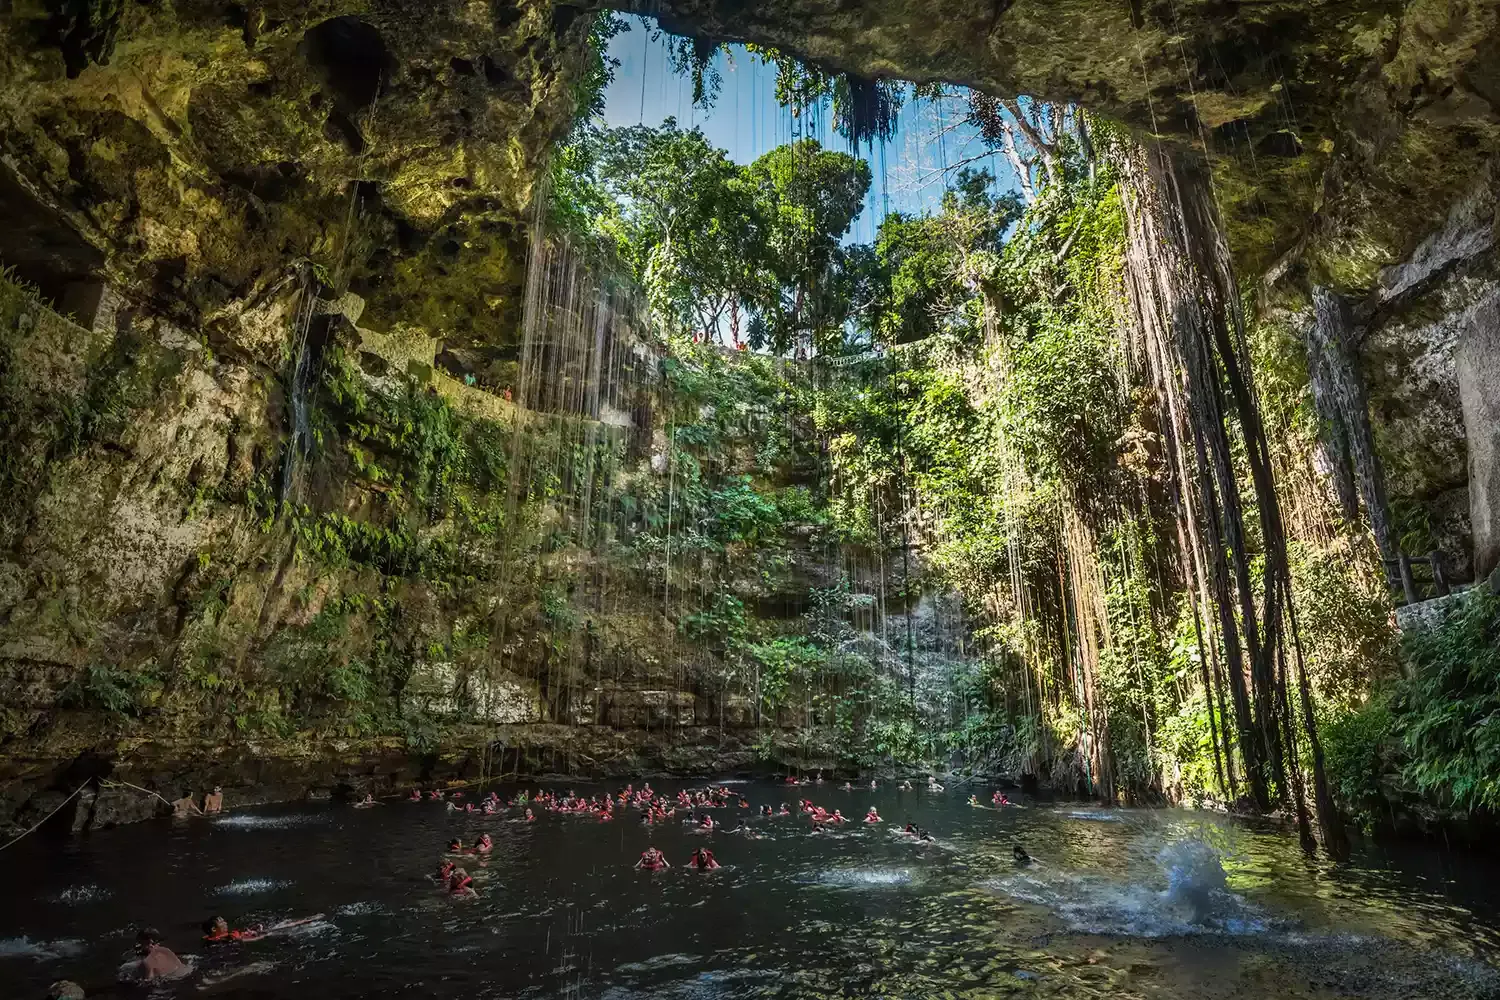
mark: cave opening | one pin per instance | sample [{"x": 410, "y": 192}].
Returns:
[
  {"x": 351, "y": 58},
  {"x": 1092, "y": 404}
]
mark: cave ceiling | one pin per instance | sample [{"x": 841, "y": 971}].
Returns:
[
  {"x": 204, "y": 150},
  {"x": 1339, "y": 132}
]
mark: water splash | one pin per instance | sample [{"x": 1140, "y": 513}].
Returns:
[
  {"x": 1196, "y": 882},
  {"x": 856, "y": 878},
  {"x": 250, "y": 822},
  {"x": 74, "y": 895},
  {"x": 1096, "y": 816},
  {"x": 250, "y": 886},
  {"x": 1197, "y": 899},
  {"x": 24, "y": 947}
]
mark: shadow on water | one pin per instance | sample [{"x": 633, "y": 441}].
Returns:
[{"x": 1118, "y": 903}]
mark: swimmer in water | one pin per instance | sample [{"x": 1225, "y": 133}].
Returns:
[
  {"x": 366, "y": 802},
  {"x": 905, "y": 786},
  {"x": 455, "y": 846},
  {"x": 975, "y": 803},
  {"x": 910, "y": 831},
  {"x": 707, "y": 823},
  {"x": 703, "y": 860},
  {"x": 873, "y": 786},
  {"x": 185, "y": 807},
  {"x": 784, "y": 810},
  {"x": 218, "y": 931},
  {"x": 415, "y": 796},
  {"x": 872, "y": 816},
  {"x": 445, "y": 870},
  {"x": 157, "y": 960},
  {"x": 530, "y": 816},
  {"x": 848, "y": 787},
  {"x": 652, "y": 860},
  {"x": 1018, "y": 855},
  {"x": 484, "y": 845},
  {"x": 461, "y": 885},
  {"x": 932, "y": 784}
]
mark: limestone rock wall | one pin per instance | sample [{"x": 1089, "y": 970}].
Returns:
[
  {"x": 1424, "y": 356},
  {"x": 1478, "y": 364}
]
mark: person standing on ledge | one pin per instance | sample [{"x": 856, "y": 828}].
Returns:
[
  {"x": 213, "y": 802},
  {"x": 185, "y": 807}
]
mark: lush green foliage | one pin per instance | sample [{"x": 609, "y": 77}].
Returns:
[
  {"x": 725, "y": 253},
  {"x": 1358, "y": 744},
  {"x": 1448, "y": 714}
]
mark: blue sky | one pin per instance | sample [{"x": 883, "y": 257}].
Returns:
[{"x": 747, "y": 122}]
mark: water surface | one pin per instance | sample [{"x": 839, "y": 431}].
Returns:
[{"x": 1118, "y": 903}]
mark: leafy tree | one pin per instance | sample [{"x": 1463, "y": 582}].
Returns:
[
  {"x": 933, "y": 265},
  {"x": 810, "y": 197},
  {"x": 688, "y": 223}
]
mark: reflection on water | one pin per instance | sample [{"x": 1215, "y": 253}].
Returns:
[{"x": 1117, "y": 903}]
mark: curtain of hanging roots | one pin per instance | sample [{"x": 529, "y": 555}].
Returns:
[{"x": 1183, "y": 292}]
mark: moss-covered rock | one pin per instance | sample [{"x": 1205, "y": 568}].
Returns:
[{"x": 208, "y": 149}]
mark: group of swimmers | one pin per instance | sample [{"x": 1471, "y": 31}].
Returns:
[
  {"x": 456, "y": 881},
  {"x": 905, "y": 786},
  {"x": 156, "y": 961},
  {"x": 653, "y": 860},
  {"x": 654, "y": 808},
  {"x": 184, "y": 806}
]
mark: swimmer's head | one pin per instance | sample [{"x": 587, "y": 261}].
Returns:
[
  {"x": 65, "y": 989},
  {"x": 146, "y": 938},
  {"x": 215, "y": 925}
]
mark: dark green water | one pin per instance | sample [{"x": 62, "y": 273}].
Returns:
[{"x": 1168, "y": 904}]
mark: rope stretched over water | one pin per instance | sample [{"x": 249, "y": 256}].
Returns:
[
  {"x": 118, "y": 784},
  {"x": 45, "y": 818}
]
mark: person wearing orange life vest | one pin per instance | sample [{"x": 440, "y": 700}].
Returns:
[
  {"x": 652, "y": 860},
  {"x": 461, "y": 885},
  {"x": 218, "y": 931}
]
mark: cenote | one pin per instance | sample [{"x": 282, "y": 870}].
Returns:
[
  {"x": 1117, "y": 903},
  {"x": 1098, "y": 402}
]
